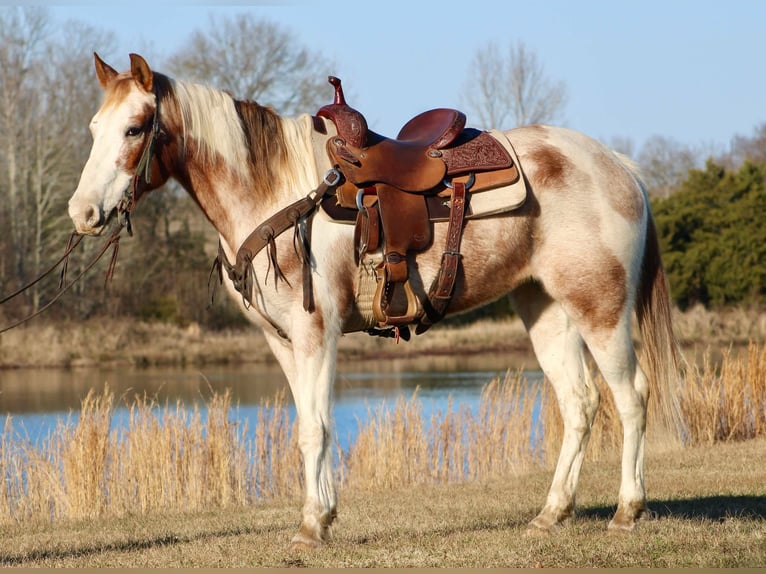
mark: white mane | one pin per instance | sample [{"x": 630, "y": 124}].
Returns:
[{"x": 210, "y": 118}]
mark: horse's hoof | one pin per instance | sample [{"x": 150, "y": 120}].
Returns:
[
  {"x": 625, "y": 520},
  {"x": 301, "y": 542},
  {"x": 621, "y": 527},
  {"x": 542, "y": 526},
  {"x": 311, "y": 536}
]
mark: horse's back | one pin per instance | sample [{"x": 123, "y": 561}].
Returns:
[{"x": 583, "y": 216}]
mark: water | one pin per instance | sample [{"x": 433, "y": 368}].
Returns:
[{"x": 38, "y": 399}]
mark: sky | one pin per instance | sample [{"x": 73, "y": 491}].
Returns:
[{"x": 690, "y": 70}]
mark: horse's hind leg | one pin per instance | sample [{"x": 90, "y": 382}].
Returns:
[
  {"x": 559, "y": 350},
  {"x": 616, "y": 358}
]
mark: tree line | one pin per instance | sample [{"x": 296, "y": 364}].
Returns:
[{"x": 709, "y": 206}]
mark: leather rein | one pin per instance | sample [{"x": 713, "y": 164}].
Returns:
[{"x": 124, "y": 208}]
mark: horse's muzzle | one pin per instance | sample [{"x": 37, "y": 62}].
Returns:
[{"x": 89, "y": 219}]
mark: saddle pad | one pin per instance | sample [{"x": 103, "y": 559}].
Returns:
[{"x": 496, "y": 200}]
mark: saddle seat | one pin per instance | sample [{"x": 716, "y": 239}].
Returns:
[{"x": 409, "y": 162}]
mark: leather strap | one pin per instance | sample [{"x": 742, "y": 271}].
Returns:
[
  {"x": 440, "y": 293},
  {"x": 241, "y": 272}
]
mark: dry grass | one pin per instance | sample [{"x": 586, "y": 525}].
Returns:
[
  {"x": 726, "y": 401},
  {"x": 710, "y": 501},
  {"x": 106, "y": 341},
  {"x": 174, "y": 458},
  {"x": 165, "y": 459}
]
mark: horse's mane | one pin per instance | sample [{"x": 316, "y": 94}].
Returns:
[{"x": 248, "y": 137}]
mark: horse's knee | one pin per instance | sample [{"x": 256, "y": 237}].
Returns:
[{"x": 312, "y": 434}]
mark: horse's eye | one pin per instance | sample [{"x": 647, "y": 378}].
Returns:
[{"x": 133, "y": 131}]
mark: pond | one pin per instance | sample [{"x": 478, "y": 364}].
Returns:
[{"x": 38, "y": 399}]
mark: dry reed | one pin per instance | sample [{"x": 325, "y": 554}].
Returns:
[{"x": 174, "y": 458}]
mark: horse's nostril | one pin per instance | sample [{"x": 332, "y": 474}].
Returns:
[{"x": 93, "y": 216}]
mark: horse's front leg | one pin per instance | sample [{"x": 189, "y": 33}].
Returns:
[{"x": 309, "y": 365}]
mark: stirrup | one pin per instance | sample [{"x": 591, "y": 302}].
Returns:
[{"x": 385, "y": 293}]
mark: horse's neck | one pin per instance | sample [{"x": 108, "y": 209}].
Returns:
[{"x": 234, "y": 205}]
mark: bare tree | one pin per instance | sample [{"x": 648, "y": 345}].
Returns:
[
  {"x": 21, "y": 33},
  {"x": 665, "y": 163},
  {"x": 511, "y": 85},
  {"x": 47, "y": 100},
  {"x": 255, "y": 60},
  {"x": 623, "y": 145},
  {"x": 751, "y": 148}
]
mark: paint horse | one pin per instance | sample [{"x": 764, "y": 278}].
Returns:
[{"x": 577, "y": 259}]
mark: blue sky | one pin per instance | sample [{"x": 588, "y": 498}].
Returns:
[{"x": 693, "y": 71}]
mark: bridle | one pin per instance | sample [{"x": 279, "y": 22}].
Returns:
[
  {"x": 130, "y": 195},
  {"x": 124, "y": 209}
]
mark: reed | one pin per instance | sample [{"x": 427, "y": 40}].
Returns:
[
  {"x": 174, "y": 458},
  {"x": 726, "y": 401}
]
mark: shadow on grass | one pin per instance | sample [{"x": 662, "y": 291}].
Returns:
[
  {"x": 130, "y": 545},
  {"x": 718, "y": 507}
]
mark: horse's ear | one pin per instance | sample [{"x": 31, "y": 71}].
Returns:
[
  {"x": 104, "y": 71},
  {"x": 141, "y": 72}
]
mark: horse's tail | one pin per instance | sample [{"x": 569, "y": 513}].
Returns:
[{"x": 661, "y": 354}]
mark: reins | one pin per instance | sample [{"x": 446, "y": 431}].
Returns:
[
  {"x": 124, "y": 209},
  {"x": 74, "y": 241},
  {"x": 112, "y": 241}
]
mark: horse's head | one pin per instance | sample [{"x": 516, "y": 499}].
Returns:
[{"x": 125, "y": 159}]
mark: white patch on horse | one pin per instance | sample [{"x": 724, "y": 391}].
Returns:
[{"x": 210, "y": 118}]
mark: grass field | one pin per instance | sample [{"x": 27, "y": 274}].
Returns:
[{"x": 711, "y": 503}]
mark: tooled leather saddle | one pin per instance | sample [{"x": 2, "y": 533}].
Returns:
[{"x": 395, "y": 188}]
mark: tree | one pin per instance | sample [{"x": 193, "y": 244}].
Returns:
[
  {"x": 512, "y": 86},
  {"x": 21, "y": 33},
  {"x": 665, "y": 163},
  {"x": 713, "y": 236},
  {"x": 751, "y": 148},
  {"x": 255, "y": 60},
  {"x": 47, "y": 104}
]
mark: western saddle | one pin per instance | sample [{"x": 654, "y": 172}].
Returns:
[{"x": 395, "y": 188}]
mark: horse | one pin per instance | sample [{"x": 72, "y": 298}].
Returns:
[{"x": 577, "y": 260}]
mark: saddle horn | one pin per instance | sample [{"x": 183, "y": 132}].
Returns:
[
  {"x": 340, "y": 99},
  {"x": 350, "y": 123}
]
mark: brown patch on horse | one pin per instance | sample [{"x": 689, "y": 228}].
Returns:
[
  {"x": 201, "y": 182},
  {"x": 552, "y": 168},
  {"x": 266, "y": 145},
  {"x": 623, "y": 192},
  {"x": 118, "y": 90},
  {"x": 131, "y": 153},
  {"x": 595, "y": 286}
]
